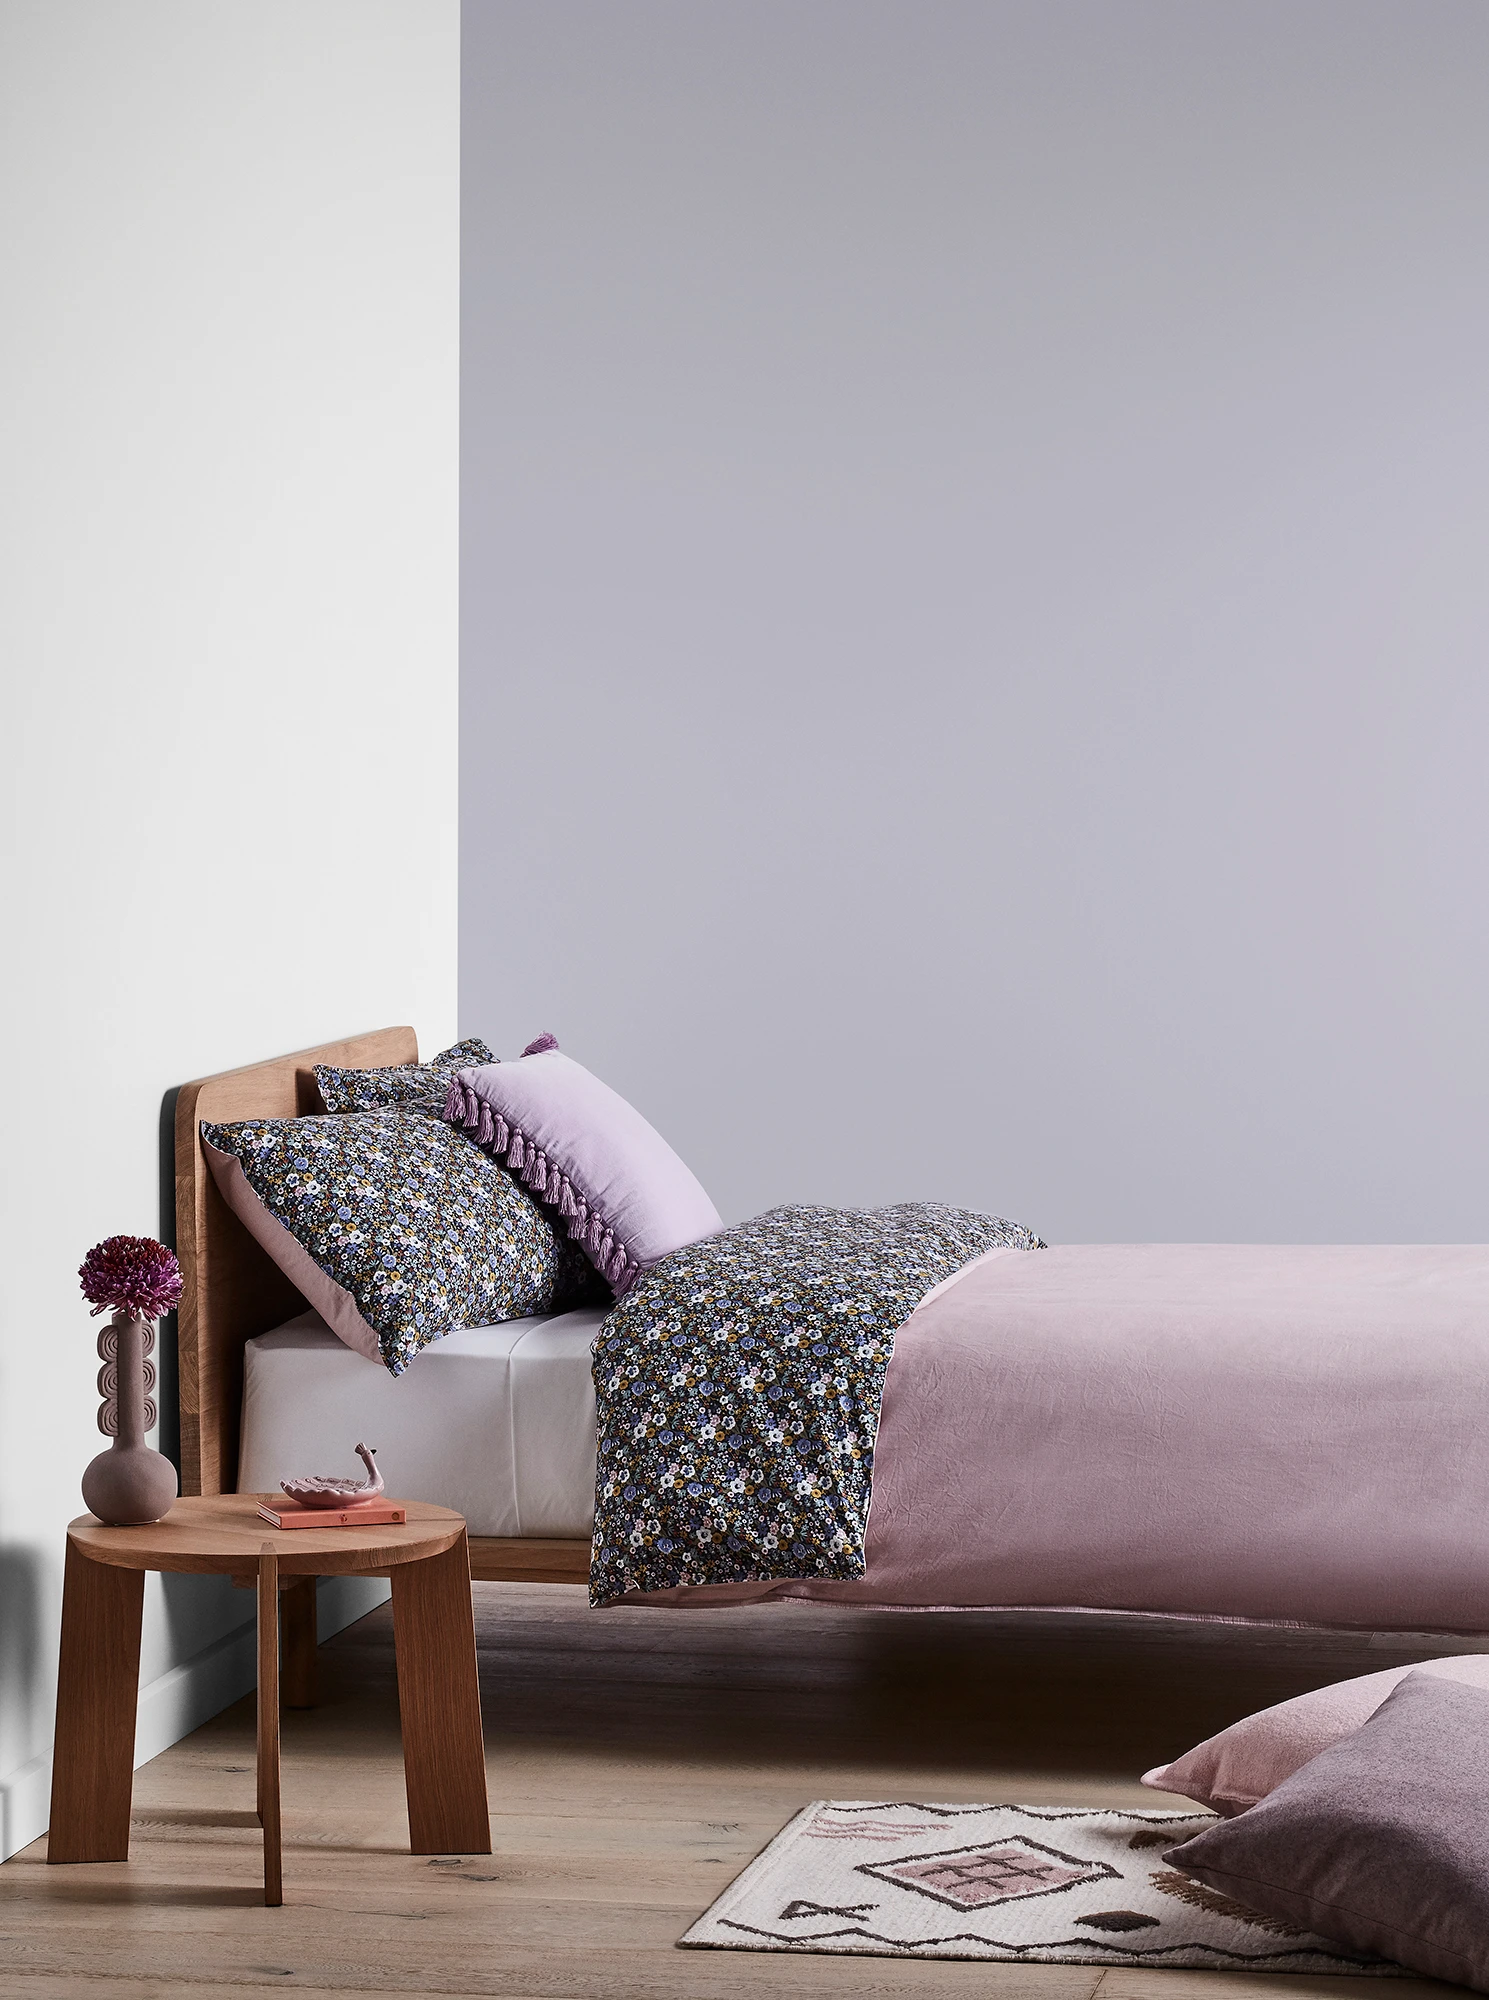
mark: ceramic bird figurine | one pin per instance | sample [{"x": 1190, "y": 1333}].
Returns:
[{"x": 319, "y": 1490}]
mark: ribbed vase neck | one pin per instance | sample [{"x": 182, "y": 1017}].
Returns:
[{"x": 131, "y": 1377}]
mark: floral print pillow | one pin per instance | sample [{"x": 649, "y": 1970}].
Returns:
[
  {"x": 394, "y": 1226},
  {"x": 413, "y": 1086}
]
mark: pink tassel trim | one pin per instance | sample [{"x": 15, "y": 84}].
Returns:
[{"x": 471, "y": 1112}]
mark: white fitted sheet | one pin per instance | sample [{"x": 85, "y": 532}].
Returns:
[{"x": 497, "y": 1422}]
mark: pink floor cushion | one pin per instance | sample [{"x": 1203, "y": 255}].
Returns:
[
  {"x": 1231, "y": 1771},
  {"x": 623, "y": 1194},
  {"x": 1380, "y": 1842}
]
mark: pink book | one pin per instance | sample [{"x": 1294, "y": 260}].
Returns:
[{"x": 376, "y": 1514}]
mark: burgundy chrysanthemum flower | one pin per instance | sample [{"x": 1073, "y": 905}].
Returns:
[{"x": 132, "y": 1274}]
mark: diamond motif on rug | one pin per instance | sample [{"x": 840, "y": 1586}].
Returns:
[
  {"x": 974, "y": 1878},
  {"x": 1030, "y": 1885}
]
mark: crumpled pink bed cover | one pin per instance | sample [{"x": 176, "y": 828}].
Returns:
[{"x": 1294, "y": 1433}]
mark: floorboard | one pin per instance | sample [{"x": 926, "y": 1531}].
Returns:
[{"x": 636, "y": 1760}]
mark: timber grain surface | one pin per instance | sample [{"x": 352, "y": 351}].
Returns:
[{"x": 635, "y": 1761}]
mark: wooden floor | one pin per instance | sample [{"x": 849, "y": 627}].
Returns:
[{"x": 637, "y": 1760}]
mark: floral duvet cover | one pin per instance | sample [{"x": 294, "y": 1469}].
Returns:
[{"x": 738, "y": 1387}]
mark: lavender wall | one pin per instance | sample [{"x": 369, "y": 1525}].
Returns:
[{"x": 975, "y": 598}]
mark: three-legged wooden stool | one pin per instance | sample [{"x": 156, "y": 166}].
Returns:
[{"x": 434, "y": 1632}]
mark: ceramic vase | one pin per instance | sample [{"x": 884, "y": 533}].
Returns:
[{"x": 129, "y": 1483}]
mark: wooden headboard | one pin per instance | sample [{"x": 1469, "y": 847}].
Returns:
[{"x": 232, "y": 1291}]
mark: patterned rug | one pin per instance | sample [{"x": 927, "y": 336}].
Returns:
[{"x": 1041, "y": 1885}]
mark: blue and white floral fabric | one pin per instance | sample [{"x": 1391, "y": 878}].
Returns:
[
  {"x": 738, "y": 1386},
  {"x": 403, "y": 1215},
  {"x": 411, "y": 1086}
]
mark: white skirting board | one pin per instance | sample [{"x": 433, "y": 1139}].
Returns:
[{"x": 182, "y": 1699}]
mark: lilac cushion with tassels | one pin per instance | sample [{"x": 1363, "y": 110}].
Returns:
[{"x": 623, "y": 1193}]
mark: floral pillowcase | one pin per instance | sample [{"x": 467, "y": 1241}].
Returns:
[
  {"x": 394, "y": 1226},
  {"x": 412, "y": 1086}
]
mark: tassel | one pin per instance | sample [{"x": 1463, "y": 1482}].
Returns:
[
  {"x": 515, "y": 1153},
  {"x": 536, "y": 1175},
  {"x": 486, "y": 1131},
  {"x": 454, "y": 1111},
  {"x": 567, "y": 1207},
  {"x": 502, "y": 1134},
  {"x": 541, "y": 1046}
]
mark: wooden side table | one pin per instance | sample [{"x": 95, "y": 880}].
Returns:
[{"x": 222, "y": 1534}]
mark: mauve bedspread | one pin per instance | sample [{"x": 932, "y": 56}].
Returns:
[{"x": 1261, "y": 1432}]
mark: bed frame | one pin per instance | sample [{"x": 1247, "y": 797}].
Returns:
[{"x": 233, "y": 1291}]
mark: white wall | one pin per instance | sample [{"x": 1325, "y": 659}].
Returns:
[
  {"x": 229, "y": 347},
  {"x": 975, "y": 599}
]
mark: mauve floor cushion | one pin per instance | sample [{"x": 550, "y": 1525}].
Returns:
[
  {"x": 1381, "y": 1842},
  {"x": 1231, "y": 1771}
]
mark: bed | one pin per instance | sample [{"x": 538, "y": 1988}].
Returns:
[
  {"x": 233, "y": 1293},
  {"x": 1294, "y": 1434}
]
